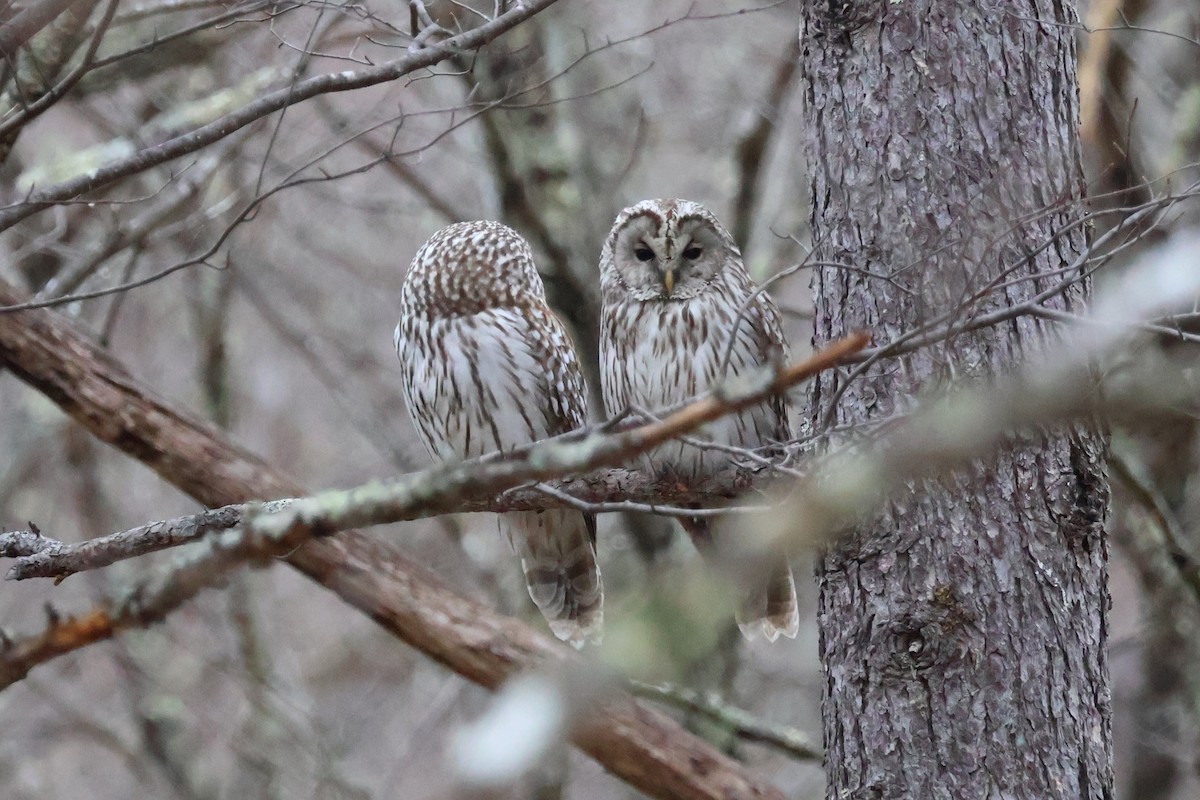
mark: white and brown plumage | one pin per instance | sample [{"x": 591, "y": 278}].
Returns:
[
  {"x": 487, "y": 366},
  {"x": 674, "y": 291}
]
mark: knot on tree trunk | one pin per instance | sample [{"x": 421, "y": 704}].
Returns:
[
  {"x": 1084, "y": 499},
  {"x": 837, "y": 19},
  {"x": 932, "y": 633}
]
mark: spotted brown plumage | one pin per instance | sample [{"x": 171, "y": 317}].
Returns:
[
  {"x": 487, "y": 366},
  {"x": 674, "y": 290}
]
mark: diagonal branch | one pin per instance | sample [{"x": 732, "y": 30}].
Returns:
[
  {"x": 641, "y": 746},
  {"x": 491, "y": 483},
  {"x": 281, "y": 526},
  {"x": 449, "y": 488}
]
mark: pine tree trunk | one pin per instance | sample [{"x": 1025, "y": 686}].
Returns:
[{"x": 963, "y": 631}]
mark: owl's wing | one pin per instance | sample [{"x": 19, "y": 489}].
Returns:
[
  {"x": 558, "y": 546},
  {"x": 565, "y": 386},
  {"x": 758, "y": 339},
  {"x": 769, "y": 325},
  {"x": 495, "y": 380}
]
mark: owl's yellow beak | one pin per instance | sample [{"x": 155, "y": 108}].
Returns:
[{"x": 668, "y": 281}]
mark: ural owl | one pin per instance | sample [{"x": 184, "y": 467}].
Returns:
[
  {"x": 674, "y": 288},
  {"x": 487, "y": 366}
]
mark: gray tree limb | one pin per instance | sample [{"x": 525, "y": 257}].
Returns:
[{"x": 478, "y": 484}]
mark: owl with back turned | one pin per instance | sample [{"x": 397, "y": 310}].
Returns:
[
  {"x": 674, "y": 291},
  {"x": 487, "y": 366}
]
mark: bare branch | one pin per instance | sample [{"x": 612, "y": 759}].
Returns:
[
  {"x": 467, "y": 486},
  {"x": 641, "y": 746},
  {"x": 38, "y": 556},
  {"x": 41, "y": 557},
  {"x": 205, "y": 135}
]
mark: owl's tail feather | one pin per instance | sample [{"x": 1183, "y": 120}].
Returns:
[
  {"x": 769, "y": 607},
  {"x": 558, "y": 554}
]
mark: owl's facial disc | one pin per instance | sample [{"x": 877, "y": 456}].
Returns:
[
  {"x": 667, "y": 262},
  {"x": 695, "y": 256}
]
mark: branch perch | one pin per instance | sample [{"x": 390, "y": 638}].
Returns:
[
  {"x": 39, "y": 556},
  {"x": 641, "y": 746},
  {"x": 486, "y": 484}
]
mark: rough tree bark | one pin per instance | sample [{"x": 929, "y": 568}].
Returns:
[{"x": 963, "y": 629}]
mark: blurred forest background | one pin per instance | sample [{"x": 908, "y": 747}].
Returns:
[{"x": 272, "y": 262}]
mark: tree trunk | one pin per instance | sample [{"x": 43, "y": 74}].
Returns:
[{"x": 963, "y": 629}]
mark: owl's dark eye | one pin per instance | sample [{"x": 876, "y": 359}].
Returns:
[
  {"x": 643, "y": 253},
  {"x": 692, "y": 253}
]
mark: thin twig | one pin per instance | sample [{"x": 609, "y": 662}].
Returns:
[
  {"x": 742, "y": 723},
  {"x": 269, "y": 103}
]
